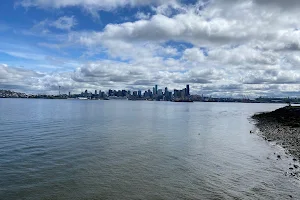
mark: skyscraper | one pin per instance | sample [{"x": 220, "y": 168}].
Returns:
[
  {"x": 187, "y": 90},
  {"x": 159, "y": 92},
  {"x": 156, "y": 89}
]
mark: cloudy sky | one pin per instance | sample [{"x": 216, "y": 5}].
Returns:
[{"x": 231, "y": 48}]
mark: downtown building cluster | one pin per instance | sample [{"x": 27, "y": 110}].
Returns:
[
  {"x": 155, "y": 94},
  {"x": 152, "y": 95}
]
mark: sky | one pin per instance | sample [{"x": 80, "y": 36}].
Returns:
[{"x": 232, "y": 48}]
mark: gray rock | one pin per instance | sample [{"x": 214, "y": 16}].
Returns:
[{"x": 296, "y": 166}]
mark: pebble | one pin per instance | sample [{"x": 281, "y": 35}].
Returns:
[{"x": 296, "y": 166}]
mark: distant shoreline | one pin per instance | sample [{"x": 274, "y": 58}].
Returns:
[
  {"x": 281, "y": 126},
  {"x": 221, "y": 100}
]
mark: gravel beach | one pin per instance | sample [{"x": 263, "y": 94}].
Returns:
[{"x": 282, "y": 126}]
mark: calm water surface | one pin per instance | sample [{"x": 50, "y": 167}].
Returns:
[{"x": 72, "y": 149}]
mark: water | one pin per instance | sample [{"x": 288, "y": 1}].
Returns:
[{"x": 72, "y": 149}]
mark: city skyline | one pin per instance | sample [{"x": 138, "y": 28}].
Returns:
[{"x": 221, "y": 48}]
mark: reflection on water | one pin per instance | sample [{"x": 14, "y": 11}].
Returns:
[{"x": 68, "y": 149}]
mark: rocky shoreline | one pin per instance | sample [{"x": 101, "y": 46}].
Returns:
[{"x": 283, "y": 127}]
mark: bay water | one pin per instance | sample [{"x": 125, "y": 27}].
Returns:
[{"x": 79, "y": 149}]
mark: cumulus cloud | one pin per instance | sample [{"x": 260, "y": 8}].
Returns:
[
  {"x": 17, "y": 78},
  {"x": 182, "y": 27},
  {"x": 193, "y": 55},
  {"x": 229, "y": 47},
  {"x": 272, "y": 77}
]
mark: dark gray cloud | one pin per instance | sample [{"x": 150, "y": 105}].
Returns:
[
  {"x": 272, "y": 77},
  {"x": 193, "y": 80},
  {"x": 286, "y": 4},
  {"x": 144, "y": 82}
]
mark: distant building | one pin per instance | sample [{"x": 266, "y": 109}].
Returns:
[
  {"x": 187, "y": 90},
  {"x": 160, "y": 92},
  {"x": 166, "y": 91},
  {"x": 110, "y": 92},
  {"x": 149, "y": 93}
]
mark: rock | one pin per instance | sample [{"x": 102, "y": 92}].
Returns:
[
  {"x": 296, "y": 166},
  {"x": 295, "y": 159},
  {"x": 290, "y": 196},
  {"x": 291, "y": 168},
  {"x": 278, "y": 156}
]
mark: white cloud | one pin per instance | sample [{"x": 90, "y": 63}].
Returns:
[
  {"x": 64, "y": 23},
  {"x": 141, "y": 15},
  {"x": 98, "y": 4},
  {"x": 194, "y": 55}
]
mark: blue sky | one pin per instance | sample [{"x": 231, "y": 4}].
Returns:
[{"x": 233, "y": 48}]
